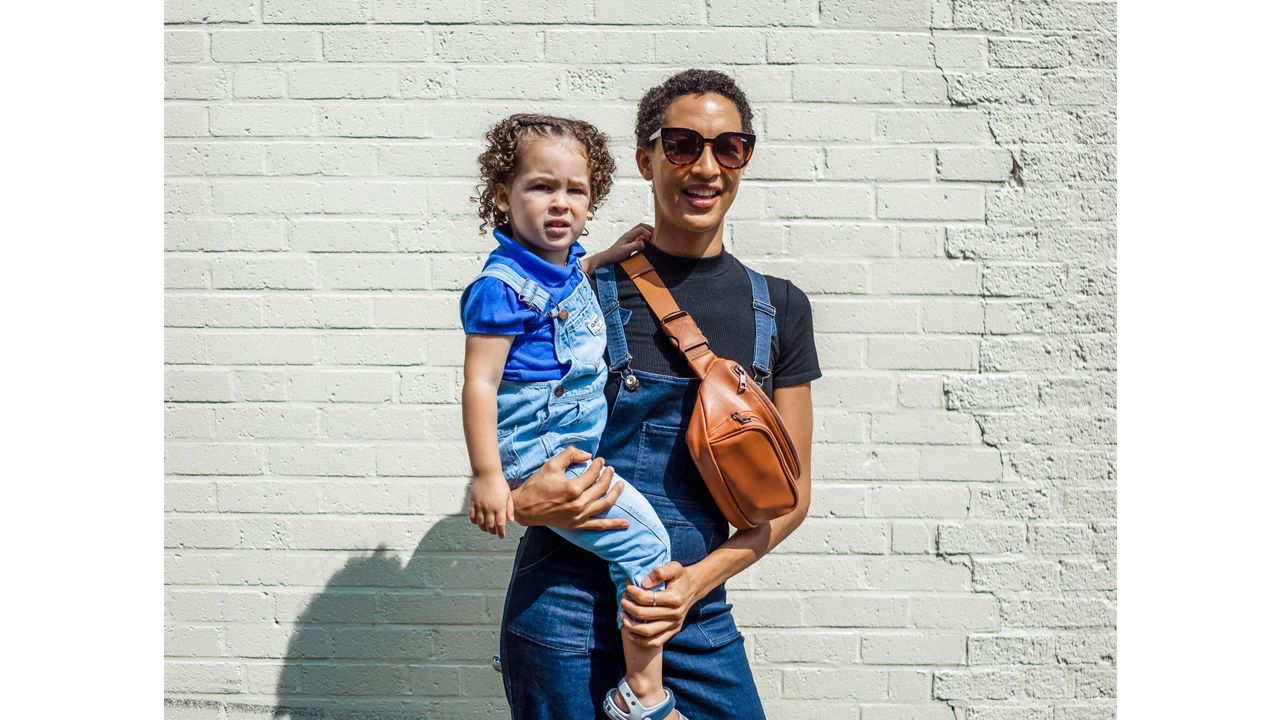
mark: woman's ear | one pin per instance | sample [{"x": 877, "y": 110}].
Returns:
[
  {"x": 502, "y": 197},
  {"x": 643, "y": 163}
]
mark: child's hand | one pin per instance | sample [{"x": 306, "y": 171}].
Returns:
[
  {"x": 631, "y": 241},
  {"x": 491, "y": 506}
]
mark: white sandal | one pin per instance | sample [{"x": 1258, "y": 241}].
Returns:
[{"x": 636, "y": 711}]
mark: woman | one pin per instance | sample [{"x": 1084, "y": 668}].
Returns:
[{"x": 560, "y": 650}]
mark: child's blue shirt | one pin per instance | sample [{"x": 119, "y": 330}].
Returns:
[{"x": 489, "y": 307}]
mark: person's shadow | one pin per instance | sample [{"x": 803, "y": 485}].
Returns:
[{"x": 386, "y": 641}]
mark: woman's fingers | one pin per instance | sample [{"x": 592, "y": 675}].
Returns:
[
  {"x": 648, "y": 629},
  {"x": 643, "y": 597},
  {"x": 603, "y": 524},
  {"x": 605, "y": 501},
  {"x": 584, "y": 482}
]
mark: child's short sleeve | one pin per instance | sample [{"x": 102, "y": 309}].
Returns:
[{"x": 489, "y": 307}]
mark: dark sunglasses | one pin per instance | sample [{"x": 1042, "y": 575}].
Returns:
[{"x": 683, "y": 146}]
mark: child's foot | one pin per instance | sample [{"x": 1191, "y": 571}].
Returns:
[{"x": 625, "y": 704}]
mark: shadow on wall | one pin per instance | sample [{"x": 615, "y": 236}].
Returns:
[{"x": 385, "y": 641}]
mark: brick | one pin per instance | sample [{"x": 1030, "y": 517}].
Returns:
[
  {"x": 913, "y": 649},
  {"x": 932, "y": 126},
  {"x": 930, "y": 203},
  {"x": 264, "y": 45},
  {"x": 380, "y": 44},
  {"x": 488, "y": 45},
  {"x": 918, "y": 501},
  {"x": 883, "y": 163},
  {"x": 921, "y": 354},
  {"x": 795, "y": 121},
  {"x": 185, "y": 120},
  {"x": 849, "y": 47},
  {"x": 933, "y": 573},
  {"x": 343, "y": 81},
  {"x": 925, "y": 428},
  {"x": 184, "y": 46},
  {"x": 991, "y": 164},
  {"x": 373, "y": 120},
  {"x": 848, "y": 86},
  {"x": 189, "y": 158},
  {"x": 721, "y": 47},
  {"x": 316, "y": 11},
  {"x": 985, "y": 538},
  {"x": 210, "y": 11},
  {"x": 262, "y": 120},
  {"x": 859, "y": 684},
  {"x": 196, "y": 83},
  {"x": 867, "y": 13},
  {"x": 958, "y": 51},
  {"x": 253, "y": 82},
  {"x": 677, "y": 13}
]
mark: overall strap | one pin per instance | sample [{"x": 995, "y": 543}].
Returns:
[
  {"x": 766, "y": 326},
  {"x": 615, "y": 317},
  {"x": 529, "y": 292}
]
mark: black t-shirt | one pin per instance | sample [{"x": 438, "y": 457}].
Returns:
[{"x": 716, "y": 292}]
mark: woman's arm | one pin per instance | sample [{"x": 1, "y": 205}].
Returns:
[{"x": 687, "y": 585}]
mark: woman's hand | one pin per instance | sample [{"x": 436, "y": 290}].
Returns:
[
  {"x": 650, "y": 624},
  {"x": 631, "y": 241},
  {"x": 549, "y": 498}
]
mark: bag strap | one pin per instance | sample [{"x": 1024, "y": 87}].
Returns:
[{"x": 676, "y": 323}]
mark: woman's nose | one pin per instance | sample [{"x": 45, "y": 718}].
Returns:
[{"x": 706, "y": 165}]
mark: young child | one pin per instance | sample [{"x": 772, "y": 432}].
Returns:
[{"x": 534, "y": 371}]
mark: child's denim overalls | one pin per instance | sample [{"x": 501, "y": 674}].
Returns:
[
  {"x": 561, "y": 651},
  {"x": 536, "y": 420}
]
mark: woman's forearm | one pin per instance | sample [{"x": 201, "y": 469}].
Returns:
[
  {"x": 795, "y": 406},
  {"x": 743, "y": 549}
]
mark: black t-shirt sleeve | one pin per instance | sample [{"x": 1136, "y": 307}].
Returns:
[{"x": 797, "y": 352}]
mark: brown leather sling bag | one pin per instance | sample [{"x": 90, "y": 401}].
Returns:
[{"x": 735, "y": 435}]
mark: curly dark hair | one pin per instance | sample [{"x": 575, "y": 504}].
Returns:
[
  {"x": 688, "y": 82},
  {"x": 498, "y": 161}
]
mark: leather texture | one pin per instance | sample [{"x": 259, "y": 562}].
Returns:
[{"x": 736, "y": 437}]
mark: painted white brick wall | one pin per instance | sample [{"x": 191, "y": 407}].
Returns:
[{"x": 938, "y": 175}]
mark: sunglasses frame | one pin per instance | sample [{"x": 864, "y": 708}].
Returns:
[{"x": 704, "y": 142}]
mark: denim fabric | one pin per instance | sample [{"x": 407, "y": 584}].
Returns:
[
  {"x": 536, "y": 420},
  {"x": 560, "y": 649}
]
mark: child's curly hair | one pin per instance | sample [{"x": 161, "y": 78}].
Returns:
[{"x": 498, "y": 161}]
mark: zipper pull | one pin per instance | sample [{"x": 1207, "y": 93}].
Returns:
[
  {"x": 742, "y": 378},
  {"x": 742, "y": 419}
]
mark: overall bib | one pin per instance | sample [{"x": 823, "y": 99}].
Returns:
[{"x": 560, "y": 646}]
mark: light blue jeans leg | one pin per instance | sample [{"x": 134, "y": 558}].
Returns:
[{"x": 632, "y": 553}]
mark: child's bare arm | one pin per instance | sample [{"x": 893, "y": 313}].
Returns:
[
  {"x": 631, "y": 241},
  {"x": 485, "y": 357}
]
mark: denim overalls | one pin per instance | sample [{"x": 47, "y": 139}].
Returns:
[
  {"x": 536, "y": 420},
  {"x": 561, "y": 651}
]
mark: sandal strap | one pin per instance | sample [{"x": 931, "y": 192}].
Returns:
[{"x": 635, "y": 710}]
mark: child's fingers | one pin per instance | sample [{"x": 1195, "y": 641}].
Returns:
[{"x": 511, "y": 509}]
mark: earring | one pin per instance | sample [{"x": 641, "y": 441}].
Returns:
[{"x": 585, "y": 232}]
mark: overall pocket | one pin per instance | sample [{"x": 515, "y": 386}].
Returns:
[{"x": 547, "y": 605}]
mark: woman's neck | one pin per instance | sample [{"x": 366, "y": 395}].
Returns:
[{"x": 683, "y": 243}]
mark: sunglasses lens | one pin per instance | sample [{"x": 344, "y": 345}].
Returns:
[
  {"x": 732, "y": 151},
  {"x": 681, "y": 146}
]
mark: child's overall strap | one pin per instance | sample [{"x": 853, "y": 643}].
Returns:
[
  {"x": 529, "y": 292},
  {"x": 766, "y": 326},
  {"x": 615, "y": 317}
]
